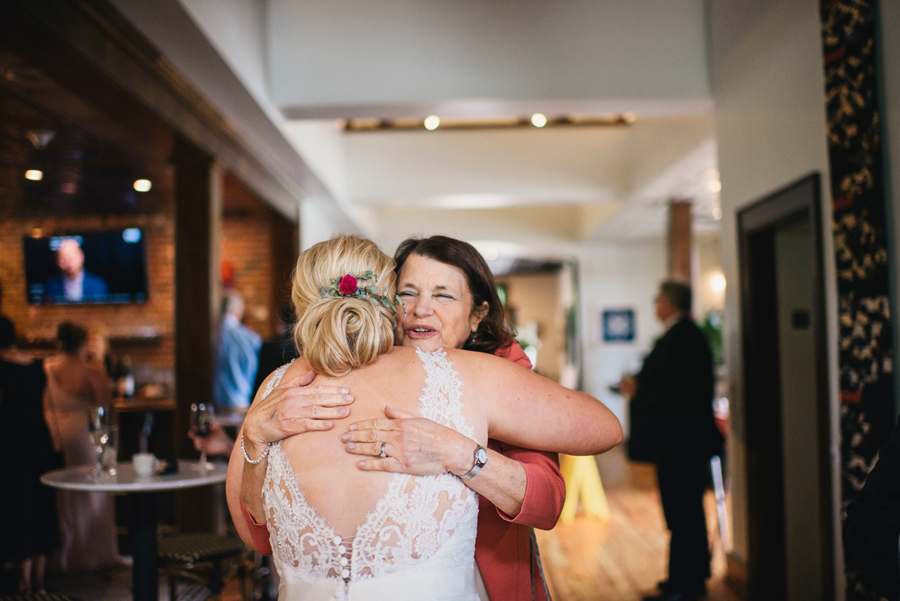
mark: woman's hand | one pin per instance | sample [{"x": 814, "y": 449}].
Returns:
[
  {"x": 421, "y": 447},
  {"x": 294, "y": 407},
  {"x": 217, "y": 442},
  {"x": 628, "y": 387},
  {"x": 412, "y": 445}
]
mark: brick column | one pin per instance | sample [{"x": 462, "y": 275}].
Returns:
[{"x": 679, "y": 240}]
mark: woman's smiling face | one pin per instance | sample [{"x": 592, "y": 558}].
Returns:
[{"x": 438, "y": 302}]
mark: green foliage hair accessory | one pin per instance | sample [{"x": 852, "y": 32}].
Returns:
[{"x": 349, "y": 285}]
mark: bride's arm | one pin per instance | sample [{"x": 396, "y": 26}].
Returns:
[{"x": 528, "y": 410}]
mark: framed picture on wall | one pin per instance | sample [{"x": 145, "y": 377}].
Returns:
[{"x": 617, "y": 325}]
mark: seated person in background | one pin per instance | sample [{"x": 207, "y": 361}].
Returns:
[
  {"x": 872, "y": 526},
  {"x": 237, "y": 356},
  {"x": 73, "y": 284}
]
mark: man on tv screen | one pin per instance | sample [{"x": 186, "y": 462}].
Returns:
[{"x": 73, "y": 284}]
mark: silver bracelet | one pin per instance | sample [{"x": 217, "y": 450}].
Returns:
[{"x": 258, "y": 459}]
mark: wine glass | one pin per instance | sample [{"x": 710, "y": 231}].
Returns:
[
  {"x": 98, "y": 426},
  {"x": 202, "y": 417}
]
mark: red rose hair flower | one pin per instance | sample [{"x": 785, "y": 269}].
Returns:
[{"x": 348, "y": 284}]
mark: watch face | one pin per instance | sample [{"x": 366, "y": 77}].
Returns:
[{"x": 481, "y": 456}]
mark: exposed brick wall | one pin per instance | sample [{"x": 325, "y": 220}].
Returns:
[
  {"x": 246, "y": 247},
  {"x": 260, "y": 249},
  {"x": 37, "y": 324},
  {"x": 252, "y": 236}
]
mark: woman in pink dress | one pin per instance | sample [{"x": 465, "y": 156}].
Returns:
[{"x": 86, "y": 520}]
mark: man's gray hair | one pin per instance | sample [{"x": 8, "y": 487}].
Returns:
[{"x": 677, "y": 293}]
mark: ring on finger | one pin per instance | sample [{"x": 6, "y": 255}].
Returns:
[{"x": 383, "y": 451}]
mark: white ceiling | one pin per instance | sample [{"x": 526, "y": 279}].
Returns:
[{"x": 284, "y": 71}]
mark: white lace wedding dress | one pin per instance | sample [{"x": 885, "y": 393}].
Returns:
[{"x": 416, "y": 544}]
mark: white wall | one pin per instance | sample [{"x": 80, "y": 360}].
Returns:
[
  {"x": 425, "y": 51},
  {"x": 617, "y": 276},
  {"x": 237, "y": 30},
  {"x": 768, "y": 85}
]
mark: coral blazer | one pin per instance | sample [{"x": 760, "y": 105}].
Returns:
[{"x": 503, "y": 544}]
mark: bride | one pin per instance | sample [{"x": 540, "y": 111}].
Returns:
[{"x": 338, "y": 532}]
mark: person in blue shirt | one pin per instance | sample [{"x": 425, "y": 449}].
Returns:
[{"x": 237, "y": 356}]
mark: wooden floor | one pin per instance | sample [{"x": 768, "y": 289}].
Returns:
[{"x": 624, "y": 558}]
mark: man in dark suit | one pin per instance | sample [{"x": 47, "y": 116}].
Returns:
[
  {"x": 673, "y": 427},
  {"x": 73, "y": 284}
]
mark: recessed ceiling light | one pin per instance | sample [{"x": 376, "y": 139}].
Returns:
[
  {"x": 34, "y": 175},
  {"x": 142, "y": 185},
  {"x": 432, "y": 123},
  {"x": 538, "y": 120},
  {"x": 714, "y": 185}
]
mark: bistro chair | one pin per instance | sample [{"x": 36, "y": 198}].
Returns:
[{"x": 211, "y": 559}]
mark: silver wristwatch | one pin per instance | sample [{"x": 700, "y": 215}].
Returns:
[{"x": 481, "y": 457}]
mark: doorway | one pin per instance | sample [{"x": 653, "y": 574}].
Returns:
[{"x": 786, "y": 405}]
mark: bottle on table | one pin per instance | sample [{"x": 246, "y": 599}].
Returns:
[{"x": 125, "y": 383}]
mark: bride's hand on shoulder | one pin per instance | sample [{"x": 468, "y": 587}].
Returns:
[
  {"x": 294, "y": 407},
  {"x": 412, "y": 445}
]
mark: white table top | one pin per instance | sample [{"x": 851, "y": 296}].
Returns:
[{"x": 125, "y": 481}]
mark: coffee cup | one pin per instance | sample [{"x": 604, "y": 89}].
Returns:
[{"x": 145, "y": 464}]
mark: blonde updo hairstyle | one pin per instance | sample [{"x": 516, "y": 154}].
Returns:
[{"x": 338, "y": 333}]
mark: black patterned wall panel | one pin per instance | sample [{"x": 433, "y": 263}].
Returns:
[{"x": 860, "y": 240}]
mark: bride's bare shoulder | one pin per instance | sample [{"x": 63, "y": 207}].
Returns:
[{"x": 468, "y": 359}]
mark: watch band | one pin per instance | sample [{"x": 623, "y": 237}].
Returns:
[{"x": 481, "y": 457}]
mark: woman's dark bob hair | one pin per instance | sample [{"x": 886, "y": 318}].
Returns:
[
  {"x": 495, "y": 331},
  {"x": 71, "y": 337}
]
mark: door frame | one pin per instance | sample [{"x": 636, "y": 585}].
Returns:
[{"x": 757, "y": 224}]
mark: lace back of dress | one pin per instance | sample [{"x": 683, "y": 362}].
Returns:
[{"x": 419, "y": 523}]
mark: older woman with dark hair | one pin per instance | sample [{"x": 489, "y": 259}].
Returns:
[
  {"x": 451, "y": 301},
  {"x": 492, "y": 332}
]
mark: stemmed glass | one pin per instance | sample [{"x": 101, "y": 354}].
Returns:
[
  {"x": 202, "y": 417},
  {"x": 98, "y": 426}
]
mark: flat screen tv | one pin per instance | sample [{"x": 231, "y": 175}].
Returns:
[{"x": 105, "y": 267}]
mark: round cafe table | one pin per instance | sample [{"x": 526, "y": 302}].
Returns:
[{"x": 145, "y": 573}]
